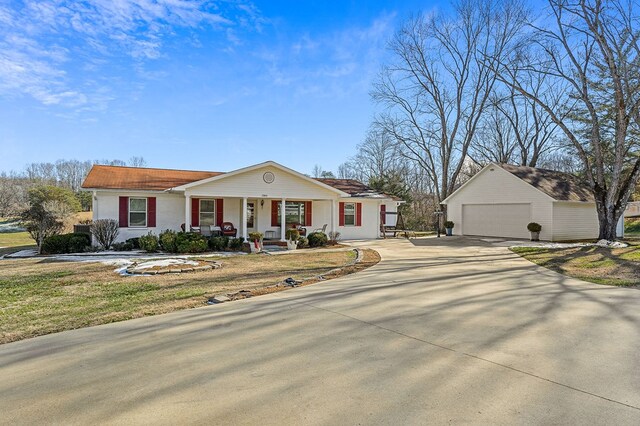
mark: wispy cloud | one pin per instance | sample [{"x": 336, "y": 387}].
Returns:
[{"x": 47, "y": 47}]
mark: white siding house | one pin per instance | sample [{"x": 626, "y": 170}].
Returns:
[
  {"x": 502, "y": 199},
  {"x": 151, "y": 200}
]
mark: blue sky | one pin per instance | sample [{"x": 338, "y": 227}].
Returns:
[{"x": 209, "y": 85}]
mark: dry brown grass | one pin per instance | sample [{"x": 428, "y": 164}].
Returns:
[
  {"x": 41, "y": 296},
  {"x": 599, "y": 265}
]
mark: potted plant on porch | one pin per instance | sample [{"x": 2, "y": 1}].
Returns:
[
  {"x": 535, "y": 229},
  {"x": 292, "y": 236},
  {"x": 448, "y": 225},
  {"x": 255, "y": 243}
]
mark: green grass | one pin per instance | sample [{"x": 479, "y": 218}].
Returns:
[
  {"x": 618, "y": 267},
  {"x": 632, "y": 227},
  {"x": 40, "y": 296}
]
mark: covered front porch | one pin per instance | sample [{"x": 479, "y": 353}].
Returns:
[{"x": 258, "y": 214}]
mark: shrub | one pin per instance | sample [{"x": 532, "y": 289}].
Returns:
[
  {"x": 256, "y": 236},
  {"x": 448, "y": 224},
  {"x": 126, "y": 246},
  {"x": 292, "y": 234},
  {"x": 106, "y": 231},
  {"x": 334, "y": 237},
  {"x": 303, "y": 242},
  {"x": 317, "y": 239},
  {"x": 218, "y": 243},
  {"x": 78, "y": 243},
  {"x": 66, "y": 243},
  {"x": 534, "y": 227},
  {"x": 135, "y": 242},
  {"x": 149, "y": 243},
  {"x": 191, "y": 242},
  {"x": 236, "y": 244},
  {"x": 168, "y": 241}
]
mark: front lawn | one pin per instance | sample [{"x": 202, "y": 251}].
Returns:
[
  {"x": 632, "y": 228},
  {"x": 41, "y": 296},
  {"x": 620, "y": 267}
]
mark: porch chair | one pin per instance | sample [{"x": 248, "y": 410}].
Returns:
[
  {"x": 228, "y": 230},
  {"x": 205, "y": 230},
  {"x": 301, "y": 229},
  {"x": 323, "y": 229}
]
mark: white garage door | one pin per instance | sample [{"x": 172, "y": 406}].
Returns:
[{"x": 496, "y": 220}]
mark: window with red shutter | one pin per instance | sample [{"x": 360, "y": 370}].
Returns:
[
  {"x": 195, "y": 212},
  {"x": 151, "y": 212},
  {"x": 123, "y": 215}
]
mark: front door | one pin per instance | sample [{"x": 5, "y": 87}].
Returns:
[{"x": 251, "y": 216}]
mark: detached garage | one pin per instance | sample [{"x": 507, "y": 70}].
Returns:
[{"x": 502, "y": 199}]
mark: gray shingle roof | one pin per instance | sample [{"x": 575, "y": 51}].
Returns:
[{"x": 558, "y": 185}]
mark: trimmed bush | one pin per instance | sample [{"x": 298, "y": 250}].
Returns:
[
  {"x": 126, "y": 246},
  {"x": 236, "y": 244},
  {"x": 448, "y": 224},
  {"x": 149, "y": 243},
  {"x": 303, "y": 242},
  {"x": 534, "y": 227},
  {"x": 66, "y": 243},
  {"x": 190, "y": 242},
  {"x": 292, "y": 234},
  {"x": 318, "y": 239},
  {"x": 78, "y": 243},
  {"x": 256, "y": 236},
  {"x": 135, "y": 242},
  {"x": 218, "y": 243},
  {"x": 168, "y": 241}
]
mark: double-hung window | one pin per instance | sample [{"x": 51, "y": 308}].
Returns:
[
  {"x": 294, "y": 212},
  {"x": 207, "y": 212},
  {"x": 349, "y": 214},
  {"x": 138, "y": 212}
]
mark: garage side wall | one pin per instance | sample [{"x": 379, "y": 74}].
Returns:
[
  {"x": 498, "y": 186},
  {"x": 574, "y": 221}
]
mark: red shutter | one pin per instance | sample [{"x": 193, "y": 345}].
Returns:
[
  {"x": 195, "y": 212},
  {"x": 341, "y": 214},
  {"x": 151, "y": 212},
  {"x": 124, "y": 212},
  {"x": 219, "y": 211},
  {"x": 307, "y": 213},
  {"x": 383, "y": 214},
  {"x": 274, "y": 213},
  {"x": 358, "y": 214}
]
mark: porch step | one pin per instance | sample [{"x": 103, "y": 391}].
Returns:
[{"x": 274, "y": 243}]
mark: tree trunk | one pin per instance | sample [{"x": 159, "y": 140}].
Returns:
[{"x": 608, "y": 221}]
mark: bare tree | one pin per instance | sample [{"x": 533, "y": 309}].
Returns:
[
  {"x": 515, "y": 129},
  {"x": 317, "y": 171},
  {"x": 589, "y": 51},
  {"x": 137, "y": 162},
  {"x": 439, "y": 86}
]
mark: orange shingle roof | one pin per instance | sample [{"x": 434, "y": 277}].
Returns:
[
  {"x": 146, "y": 179},
  {"x": 138, "y": 178}
]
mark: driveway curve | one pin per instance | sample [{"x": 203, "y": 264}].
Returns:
[{"x": 441, "y": 331}]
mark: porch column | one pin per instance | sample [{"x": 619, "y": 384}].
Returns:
[
  {"x": 283, "y": 225},
  {"x": 333, "y": 216},
  {"x": 187, "y": 213},
  {"x": 244, "y": 219}
]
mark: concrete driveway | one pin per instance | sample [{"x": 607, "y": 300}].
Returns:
[{"x": 441, "y": 331}]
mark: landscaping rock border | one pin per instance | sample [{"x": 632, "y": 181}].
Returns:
[{"x": 289, "y": 282}]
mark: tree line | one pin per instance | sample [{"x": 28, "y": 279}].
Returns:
[
  {"x": 495, "y": 81},
  {"x": 66, "y": 174}
]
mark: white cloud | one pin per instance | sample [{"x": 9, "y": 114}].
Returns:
[{"x": 95, "y": 33}]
